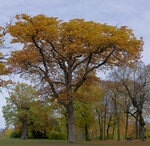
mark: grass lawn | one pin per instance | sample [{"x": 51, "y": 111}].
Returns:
[{"x": 46, "y": 142}]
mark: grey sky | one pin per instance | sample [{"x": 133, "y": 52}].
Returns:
[{"x": 133, "y": 13}]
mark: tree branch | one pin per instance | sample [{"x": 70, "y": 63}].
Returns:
[{"x": 80, "y": 82}]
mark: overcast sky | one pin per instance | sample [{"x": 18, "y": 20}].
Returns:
[{"x": 133, "y": 13}]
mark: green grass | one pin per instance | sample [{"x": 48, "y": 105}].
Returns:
[{"x": 46, "y": 142}]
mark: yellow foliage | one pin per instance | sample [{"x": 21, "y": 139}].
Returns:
[
  {"x": 52, "y": 49},
  {"x": 8, "y": 132},
  {"x": 76, "y": 37}
]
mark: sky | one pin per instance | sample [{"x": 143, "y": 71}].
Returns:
[{"x": 132, "y": 13}]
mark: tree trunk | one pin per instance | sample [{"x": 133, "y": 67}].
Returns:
[
  {"x": 116, "y": 115},
  {"x": 126, "y": 130},
  {"x": 71, "y": 130},
  {"x": 118, "y": 127},
  {"x": 101, "y": 130},
  {"x": 108, "y": 126},
  {"x": 104, "y": 127},
  {"x": 108, "y": 132},
  {"x": 140, "y": 136},
  {"x": 67, "y": 130},
  {"x": 95, "y": 133},
  {"x": 137, "y": 126},
  {"x": 87, "y": 133},
  {"x": 143, "y": 133},
  {"x": 142, "y": 124},
  {"x": 113, "y": 132},
  {"x": 118, "y": 120},
  {"x": 24, "y": 130}
]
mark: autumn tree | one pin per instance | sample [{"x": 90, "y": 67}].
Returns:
[
  {"x": 4, "y": 70},
  {"x": 62, "y": 54}
]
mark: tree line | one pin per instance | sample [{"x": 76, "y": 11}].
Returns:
[{"x": 104, "y": 109}]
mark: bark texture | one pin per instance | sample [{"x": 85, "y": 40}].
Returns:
[
  {"x": 71, "y": 129},
  {"x": 24, "y": 130}
]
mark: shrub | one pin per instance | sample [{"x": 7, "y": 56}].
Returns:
[
  {"x": 56, "y": 135},
  {"x": 14, "y": 134}
]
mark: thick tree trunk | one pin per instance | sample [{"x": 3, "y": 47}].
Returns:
[
  {"x": 24, "y": 130},
  {"x": 143, "y": 133},
  {"x": 126, "y": 130},
  {"x": 69, "y": 107},
  {"x": 87, "y": 133},
  {"x": 137, "y": 126},
  {"x": 142, "y": 124},
  {"x": 71, "y": 129}
]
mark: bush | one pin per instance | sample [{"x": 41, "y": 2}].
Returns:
[
  {"x": 8, "y": 132},
  {"x": 37, "y": 134},
  {"x": 56, "y": 135},
  {"x": 14, "y": 134}
]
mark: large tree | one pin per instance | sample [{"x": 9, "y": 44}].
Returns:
[{"x": 62, "y": 54}]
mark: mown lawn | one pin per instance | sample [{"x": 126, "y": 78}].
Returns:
[{"x": 46, "y": 142}]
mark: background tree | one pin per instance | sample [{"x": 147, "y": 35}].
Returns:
[
  {"x": 84, "y": 104},
  {"x": 18, "y": 105},
  {"x": 26, "y": 110},
  {"x": 115, "y": 97},
  {"x": 84, "y": 117},
  {"x": 41, "y": 120},
  {"x": 62, "y": 54},
  {"x": 135, "y": 83},
  {"x": 102, "y": 112}
]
